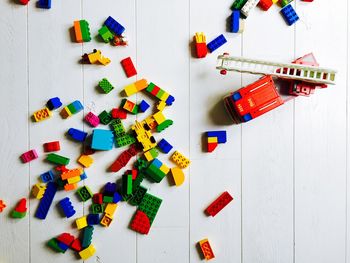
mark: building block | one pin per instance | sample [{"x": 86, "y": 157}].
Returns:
[
  {"x": 105, "y": 117},
  {"x": 20, "y": 210},
  {"x": 82, "y": 31},
  {"x": 118, "y": 113},
  {"x": 248, "y": 6},
  {"x": 105, "y": 86},
  {"x": 135, "y": 87},
  {"x": 87, "y": 252},
  {"x": 215, "y": 207},
  {"x": 92, "y": 119},
  {"x": 81, "y": 222},
  {"x": 87, "y": 236},
  {"x": 57, "y": 159},
  {"x": 143, "y": 106},
  {"x": 97, "y": 208},
  {"x": 95, "y": 57},
  {"x": 138, "y": 195},
  {"x": 67, "y": 207},
  {"x": 105, "y": 34},
  {"x": 124, "y": 140},
  {"x": 143, "y": 136},
  {"x": 52, "y": 146},
  {"x": 24, "y": 2},
  {"x": 164, "y": 146},
  {"x": 85, "y": 160},
  {"x": 289, "y": 14},
  {"x": 106, "y": 220},
  {"x": 150, "y": 205},
  {"x": 29, "y": 156},
  {"x": 118, "y": 127},
  {"x": 128, "y": 67},
  {"x": 151, "y": 154},
  {"x": 107, "y": 199},
  {"x": 119, "y": 41},
  {"x": 159, "y": 117},
  {"x": 201, "y": 45},
  {"x": 156, "y": 91},
  {"x": 180, "y": 160},
  {"x": 38, "y": 190},
  {"x": 71, "y": 109},
  {"x": 178, "y": 176},
  {"x": 140, "y": 223},
  {"x": 110, "y": 209},
  {"x": 283, "y": 3},
  {"x": 71, "y": 173},
  {"x": 47, "y": 177},
  {"x": 234, "y": 21},
  {"x": 54, "y": 103},
  {"x": 66, "y": 238},
  {"x": 165, "y": 124},
  {"x": 127, "y": 184},
  {"x": 221, "y": 135},
  {"x": 206, "y": 249},
  {"x": 53, "y": 243},
  {"x": 265, "y": 4},
  {"x": 114, "y": 26},
  {"x": 44, "y": 4},
  {"x": 129, "y": 106},
  {"x": 238, "y": 4},
  {"x": 102, "y": 140},
  {"x": 97, "y": 198},
  {"x": 2, "y": 205},
  {"x": 46, "y": 201},
  {"x": 84, "y": 193},
  {"x": 76, "y": 245},
  {"x": 93, "y": 219},
  {"x": 77, "y": 135},
  {"x": 123, "y": 159},
  {"x": 216, "y": 43}
]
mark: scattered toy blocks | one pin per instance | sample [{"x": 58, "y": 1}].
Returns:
[
  {"x": 128, "y": 67},
  {"x": 223, "y": 200},
  {"x": 52, "y": 146},
  {"x": 82, "y": 31},
  {"x": 216, "y": 43},
  {"x": 201, "y": 45},
  {"x": 102, "y": 140},
  {"x": 129, "y": 106},
  {"x": 54, "y": 103},
  {"x": 42, "y": 114},
  {"x": 20, "y": 210},
  {"x": 114, "y": 26},
  {"x": 150, "y": 154},
  {"x": 180, "y": 160},
  {"x": 29, "y": 156},
  {"x": 289, "y": 14},
  {"x": 67, "y": 207},
  {"x": 46, "y": 201},
  {"x": 206, "y": 249}
]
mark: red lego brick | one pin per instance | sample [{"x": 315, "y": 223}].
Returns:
[
  {"x": 52, "y": 146},
  {"x": 155, "y": 90},
  {"x": 118, "y": 113},
  {"x": 215, "y": 207},
  {"x": 201, "y": 50},
  {"x": 76, "y": 245},
  {"x": 128, "y": 67},
  {"x": 265, "y": 4},
  {"x": 140, "y": 223},
  {"x": 123, "y": 159},
  {"x": 61, "y": 169},
  {"x": 97, "y": 198},
  {"x": 21, "y": 206},
  {"x": 24, "y": 2},
  {"x": 66, "y": 238}
]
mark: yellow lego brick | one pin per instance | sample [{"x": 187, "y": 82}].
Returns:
[
  {"x": 106, "y": 220},
  {"x": 74, "y": 180},
  {"x": 104, "y": 60},
  {"x": 148, "y": 156},
  {"x": 94, "y": 56},
  {"x": 180, "y": 160},
  {"x": 87, "y": 252},
  {"x": 274, "y": 1},
  {"x": 85, "y": 160},
  {"x": 151, "y": 123},
  {"x": 161, "y": 105},
  {"x": 200, "y": 37},
  {"x": 110, "y": 209},
  {"x": 178, "y": 176},
  {"x": 165, "y": 169},
  {"x": 38, "y": 190},
  {"x": 141, "y": 84},
  {"x": 42, "y": 114},
  {"x": 212, "y": 139},
  {"x": 159, "y": 117},
  {"x": 81, "y": 222},
  {"x": 130, "y": 89},
  {"x": 165, "y": 96}
]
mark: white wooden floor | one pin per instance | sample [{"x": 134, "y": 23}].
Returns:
[{"x": 287, "y": 170}]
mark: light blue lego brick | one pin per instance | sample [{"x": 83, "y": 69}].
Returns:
[
  {"x": 77, "y": 105},
  {"x": 157, "y": 163},
  {"x": 102, "y": 140}
]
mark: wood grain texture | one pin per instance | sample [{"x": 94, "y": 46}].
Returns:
[{"x": 287, "y": 170}]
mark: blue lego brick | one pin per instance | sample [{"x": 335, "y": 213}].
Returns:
[
  {"x": 46, "y": 201},
  {"x": 289, "y": 14},
  {"x": 164, "y": 146},
  {"x": 116, "y": 197},
  {"x": 93, "y": 219},
  {"x": 221, "y": 135},
  {"x": 44, "y": 4},
  {"x": 234, "y": 21},
  {"x": 54, "y": 103},
  {"x": 110, "y": 188},
  {"x": 143, "y": 106},
  {"x": 247, "y": 117},
  {"x": 114, "y": 26},
  {"x": 67, "y": 207},
  {"x": 77, "y": 135},
  {"x": 62, "y": 246},
  {"x": 157, "y": 163},
  {"x": 216, "y": 43},
  {"x": 102, "y": 140},
  {"x": 169, "y": 101},
  {"x": 47, "y": 177},
  {"x": 236, "y": 96},
  {"x": 77, "y": 105},
  {"x": 83, "y": 176}
]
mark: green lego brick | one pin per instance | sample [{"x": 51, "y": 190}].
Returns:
[
  {"x": 97, "y": 208},
  {"x": 105, "y": 85},
  {"x": 16, "y": 214},
  {"x": 60, "y": 183},
  {"x": 135, "y": 109},
  {"x": 238, "y": 4},
  {"x": 137, "y": 182},
  {"x": 57, "y": 159},
  {"x": 127, "y": 184},
  {"x": 160, "y": 93},
  {"x": 150, "y": 205},
  {"x": 118, "y": 127},
  {"x": 85, "y": 30},
  {"x": 124, "y": 140},
  {"x": 126, "y": 197},
  {"x": 154, "y": 153},
  {"x": 87, "y": 236},
  {"x": 72, "y": 109},
  {"x": 150, "y": 87},
  {"x": 165, "y": 124},
  {"x": 105, "y": 34},
  {"x": 138, "y": 196},
  {"x": 105, "y": 117},
  {"x": 141, "y": 164},
  {"x": 84, "y": 193},
  {"x": 107, "y": 199},
  {"x": 283, "y": 3},
  {"x": 155, "y": 173},
  {"x": 54, "y": 245}
]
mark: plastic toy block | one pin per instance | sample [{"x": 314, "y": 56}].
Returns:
[
  {"x": 54, "y": 103},
  {"x": 118, "y": 127},
  {"x": 2, "y": 205},
  {"x": 161, "y": 105},
  {"x": 110, "y": 209},
  {"x": 106, "y": 220},
  {"x": 87, "y": 236},
  {"x": 283, "y": 3},
  {"x": 128, "y": 67},
  {"x": 248, "y": 6},
  {"x": 76, "y": 245},
  {"x": 238, "y": 4},
  {"x": 206, "y": 249},
  {"x": 178, "y": 176},
  {"x": 159, "y": 117},
  {"x": 71, "y": 173},
  {"x": 127, "y": 184},
  {"x": 82, "y": 31},
  {"x": 150, "y": 205},
  {"x": 57, "y": 159},
  {"x": 65, "y": 238},
  {"x": 150, "y": 122},
  {"x": 216, "y": 43},
  {"x": 220, "y": 135},
  {"x": 129, "y": 106},
  {"x": 265, "y": 4},
  {"x": 165, "y": 124},
  {"x": 169, "y": 101},
  {"x": 143, "y": 136},
  {"x": 52, "y": 146},
  {"x": 234, "y": 21},
  {"x": 151, "y": 154},
  {"x": 143, "y": 106},
  {"x": 46, "y": 201},
  {"x": 71, "y": 109},
  {"x": 165, "y": 169},
  {"x": 180, "y": 160},
  {"x": 44, "y": 4},
  {"x": 289, "y": 14},
  {"x": 164, "y": 146},
  {"x": 105, "y": 86},
  {"x": 87, "y": 252},
  {"x": 97, "y": 198},
  {"x": 20, "y": 210},
  {"x": 53, "y": 243},
  {"x": 92, "y": 119},
  {"x": 107, "y": 199},
  {"x": 85, "y": 160},
  {"x": 211, "y": 145},
  {"x": 102, "y": 140},
  {"x": 123, "y": 159},
  {"x": 215, "y": 207},
  {"x": 93, "y": 219},
  {"x": 70, "y": 187},
  {"x": 109, "y": 188},
  {"x": 201, "y": 45},
  {"x": 24, "y": 2},
  {"x": 97, "y": 208},
  {"x": 81, "y": 222},
  {"x": 119, "y": 41},
  {"x": 62, "y": 246},
  {"x": 67, "y": 207},
  {"x": 114, "y": 26},
  {"x": 42, "y": 114},
  {"x": 74, "y": 180},
  {"x": 29, "y": 156},
  {"x": 138, "y": 196},
  {"x": 77, "y": 135},
  {"x": 94, "y": 57},
  {"x": 118, "y": 113},
  {"x": 105, "y": 117},
  {"x": 140, "y": 223},
  {"x": 47, "y": 177},
  {"x": 116, "y": 197},
  {"x": 124, "y": 140},
  {"x": 85, "y": 193},
  {"x": 105, "y": 34},
  {"x": 154, "y": 90}
]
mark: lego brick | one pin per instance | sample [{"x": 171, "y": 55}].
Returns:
[
  {"x": 265, "y": 4},
  {"x": 71, "y": 109},
  {"x": 129, "y": 106},
  {"x": 110, "y": 209},
  {"x": 57, "y": 159},
  {"x": 248, "y": 6},
  {"x": 67, "y": 207},
  {"x": 211, "y": 146},
  {"x": 165, "y": 169},
  {"x": 97, "y": 198},
  {"x": 143, "y": 106},
  {"x": 84, "y": 193},
  {"x": 76, "y": 245},
  {"x": 128, "y": 67},
  {"x": 206, "y": 249},
  {"x": 85, "y": 30},
  {"x": 143, "y": 136},
  {"x": 53, "y": 103},
  {"x": 220, "y": 135},
  {"x": 77, "y": 135},
  {"x": 77, "y": 31},
  {"x": 138, "y": 196},
  {"x": 46, "y": 201},
  {"x": 105, "y": 117},
  {"x": 159, "y": 117},
  {"x": 118, "y": 127},
  {"x": 102, "y": 140},
  {"x": 124, "y": 140},
  {"x": 87, "y": 252},
  {"x": 29, "y": 156},
  {"x": 44, "y": 4},
  {"x": 169, "y": 101},
  {"x": 215, "y": 207},
  {"x": 2, "y": 205},
  {"x": 92, "y": 119},
  {"x": 180, "y": 160},
  {"x": 151, "y": 154},
  {"x": 140, "y": 223},
  {"x": 38, "y": 190},
  {"x": 150, "y": 205},
  {"x": 161, "y": 105},
  {"x": 201, "y": 45},
  {"x": 114, "y": 26},
  {"x": 53, "y": 243},
  {"x": 66, "y": 239},
  {"x": 20, "y": 210},
  {"x": 97, "y": 208},
  {"x": 127, "y": 184},
  {"x": 105, "y": 86},
  {"x": 164, "y": 146},
  {"x": 121, "y": 161},
  {"x": 52, "y": 146},
  {"x": 106, "y": 220},
  {"x": 85, "y": 160},
  {"x": 283, "y": 3},
  {"x": 216, "y": 43},
  {"x": 105, "y": 34},
  {"x": 178, "y": 176},
  {"x": 118, "y": 113},
  {"x": 87, "y": 236},
  {"x": 107, "y": 199},
  {"x": 93, "y": 219},
  {"x": 238, "y": 4},
  {"x": 234, "y": 21},
  {"x": 289, "y": 14},
  {"x": 69, "y": 187},
  {"x": 47, "y": 177},
  {"x": 74, "y": 180},
  {"x": 71, "y": 173},
  {"x": 81, "y": 222},
  {"x": 165, "y": 124},
  {"x": 95, "y": 57}
]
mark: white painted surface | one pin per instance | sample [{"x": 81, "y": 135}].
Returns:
[{"x": 287, "y": 170}]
